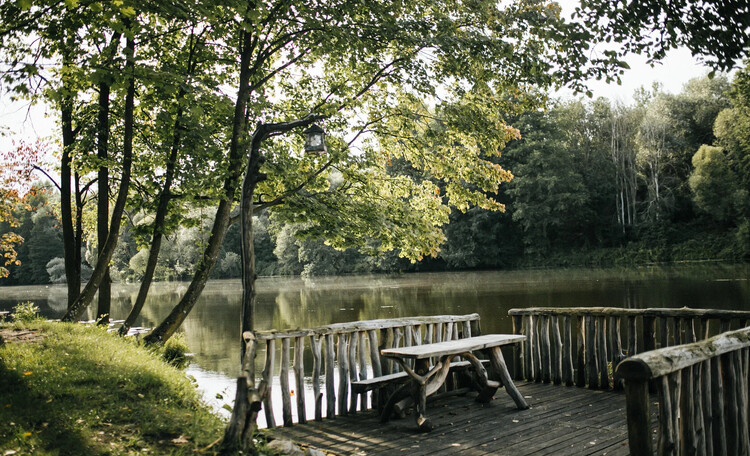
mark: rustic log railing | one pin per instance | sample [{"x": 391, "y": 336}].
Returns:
[
  {"x": 702, "y": 395},
  {"x": 581, "y": 345},
  {"x": 351, "y": 350}
]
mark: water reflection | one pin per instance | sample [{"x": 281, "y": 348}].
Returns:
[{"x": 212, "y": 328}]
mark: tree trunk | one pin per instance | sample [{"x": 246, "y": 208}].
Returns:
[
  {"x": 72, "y": 269},
  {"x": 161, "y": 214},
  {"x": 102, "y": 206},
  {"x": 163, "y": 205},
  {"x": 105, "y": 255}
]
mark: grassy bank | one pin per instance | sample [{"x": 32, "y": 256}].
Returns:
[{"x": 70, "y": 389}]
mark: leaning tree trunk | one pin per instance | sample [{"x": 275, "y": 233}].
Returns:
[
  {"x": 179, "y": 313},
  {"x": 105, "y": 255},
  {"x": 163, "y": 205},
  {"x": 161, "y": 215}
]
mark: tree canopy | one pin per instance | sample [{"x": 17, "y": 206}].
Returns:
[{"x": 716, "y": 31}]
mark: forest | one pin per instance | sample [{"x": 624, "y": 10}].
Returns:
[{"x": 595, "y": 183}]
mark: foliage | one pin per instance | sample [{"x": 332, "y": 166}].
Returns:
[
  {"x": 715, "y": 187},
  {"x": 81, "y": 390},
  {"x": 715, "y": 30},
  {"x": 25, "y": 312},
  {"x": 15, "y": 190},
  {"x": 566, "y": 175}
]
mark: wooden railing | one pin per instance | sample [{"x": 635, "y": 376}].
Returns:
[
  {"x": 582, "y": 345},
  {"x": 702, "y": 395},
  {"x": 350, "y": 348}
]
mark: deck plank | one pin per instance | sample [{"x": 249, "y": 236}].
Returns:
[{"x": 561, "y": 421}]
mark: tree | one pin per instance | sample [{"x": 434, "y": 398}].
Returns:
[
  {"x": 362, "y": 53},
  {"x": 653, "y": 157},
  {"x": 715, "y": 187},
  {"x": 624, "y": 123},
  {"x": 548, "y": 191},
  {"x": 15, "y": 188},
  {"x": 717, "y": 31}
]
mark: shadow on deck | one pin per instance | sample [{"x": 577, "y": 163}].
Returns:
[{"x": 561, "y": 421}]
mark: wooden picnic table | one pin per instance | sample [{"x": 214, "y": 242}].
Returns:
[{"x": 427, "y": 379}]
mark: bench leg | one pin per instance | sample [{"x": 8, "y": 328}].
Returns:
[
  {"x": 487, "y": 387},
  {"x": 501, "y": 369},
  {"x": 423, "y": 423},
  {"x": 400, "y": 393}
]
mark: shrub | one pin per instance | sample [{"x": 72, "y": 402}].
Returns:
[
  {"x": 175, "y": 351},
  {"x": 25, "y": 311}
]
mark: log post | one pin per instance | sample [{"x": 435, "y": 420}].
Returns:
[
  {"x": 353, "y": 343},
  {"x": 688, "y": 432},
  {"x": 649, "y": 333},
  {"x": 299, "y": 376},
  {"x": 286, "y": 403},
  {"x": 532, "y": 343},
  {"x": 538, "y": 350},
  {"x": 664, "y": 331},
  {"x": 386, "y": 336},
  {"x": 707, "y": 406},
  {"x": 717, "y": 409},
  {"x": 518, "y": 349},
  {"x": 601, "y": 332},
  {"x": 675, "y": 394},
  {"x": 567, "y": 352},
  {"x": 315, "y": 342},
  {"x": 592, "y": 371},
  {"x": 375, "y": 363},
  {"x": 362, "y": 366},
  {"x": 330, "y": 387},
  {"x": 581, "y": 353},
  {"x": 342, "y": 356},
  {"x": 667, "y": 439},
  {"x": 636, "y": 405},
  {"x": 730, "y": 403},
  {"x": 632, "y": 336},
  {"x": 268, "y": 378},
  {"x": 618, "y": 355},
  {"x": 466, "y": 326},
  {"x": 545, "y": 348},
  {"x": 398, "y": 335},
  {"x": 556, "y": 351}
]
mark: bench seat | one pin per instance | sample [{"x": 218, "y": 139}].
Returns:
[{"x": 369, "y": 384}]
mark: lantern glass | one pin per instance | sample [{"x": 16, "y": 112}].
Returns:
[{"x": 315, "y": 140}]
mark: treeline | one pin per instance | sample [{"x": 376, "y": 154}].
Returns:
[{"x": 595, "y": 183}]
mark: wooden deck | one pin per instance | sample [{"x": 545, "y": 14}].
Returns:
[{"x": 561, "y": 421}]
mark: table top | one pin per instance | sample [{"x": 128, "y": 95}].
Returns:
[{"x": 452, "y": 347}]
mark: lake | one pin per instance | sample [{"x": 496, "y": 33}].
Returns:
[{"x": 212, "y": 328}]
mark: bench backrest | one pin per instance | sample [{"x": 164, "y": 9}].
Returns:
[{"x": 351, "y": 352}]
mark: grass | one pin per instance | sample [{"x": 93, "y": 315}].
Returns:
[{"x": 78, "y": 390}]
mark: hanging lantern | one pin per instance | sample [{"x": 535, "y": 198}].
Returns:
[{"x": 315, "y": 140}]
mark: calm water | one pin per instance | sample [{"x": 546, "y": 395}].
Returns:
[{"x": 212, "y": 328}]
